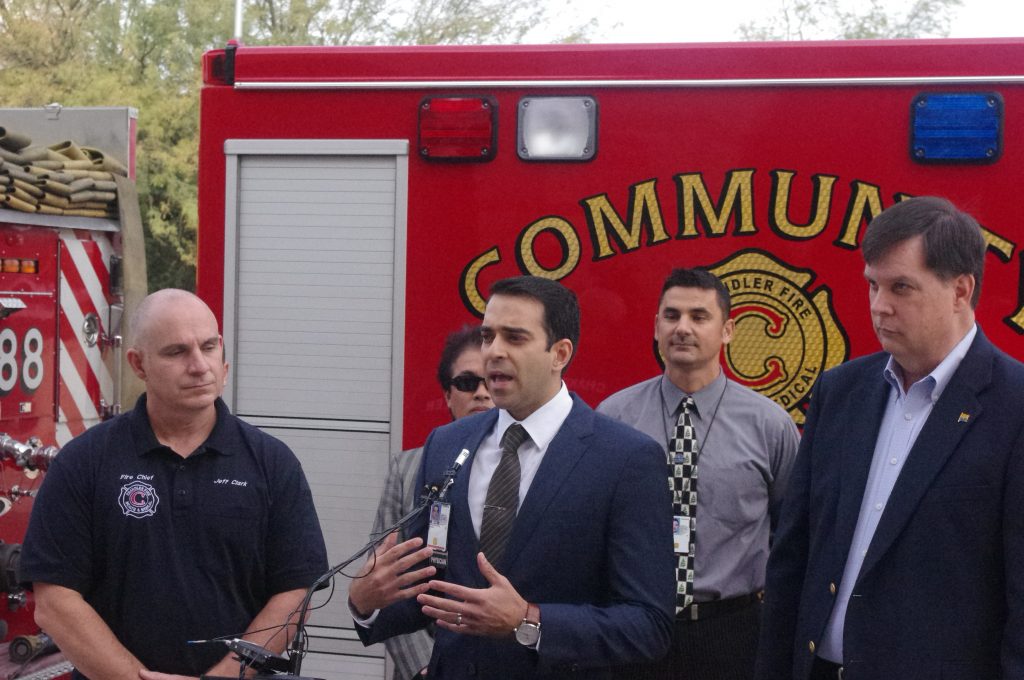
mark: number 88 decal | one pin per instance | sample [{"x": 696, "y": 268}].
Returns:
[{"x": 31, "y": 372}]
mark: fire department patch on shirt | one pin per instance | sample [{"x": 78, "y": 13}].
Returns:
[{"x": 138, "y": 499}]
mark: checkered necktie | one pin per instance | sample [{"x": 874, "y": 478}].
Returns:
[
  {"x": 502, "y": 500},
  {"x": 682, "y": 481}
]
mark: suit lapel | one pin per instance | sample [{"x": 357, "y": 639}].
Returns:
[
  {"x": 561, "y": 457},
  {"x": 939, "y": 438},
  {"x": 867, "y": 400}
]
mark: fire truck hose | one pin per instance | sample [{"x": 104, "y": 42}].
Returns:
[
  {"x": 12, "y": 141},
  {"x": 62, "y": 179}
]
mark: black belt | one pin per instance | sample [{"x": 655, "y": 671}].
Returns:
[
  {"x": 823, "y": 669},
  {"x": 701, "y": 611}
]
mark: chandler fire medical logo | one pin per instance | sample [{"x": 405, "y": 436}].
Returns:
[
  {"x": 138, "y": 499},
  {"x": 786, "y": 334}
]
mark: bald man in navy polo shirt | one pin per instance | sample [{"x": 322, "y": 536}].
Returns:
[{"x": 175, "y": 521}]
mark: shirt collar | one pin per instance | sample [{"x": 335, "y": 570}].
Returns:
[
  {"x": 146, "y": 441},
  {"x": 543, "y": 424},
  {"x": 941, "y": 375},
  {"x": 220, "y": 439},
  {"x": 705, "y": 398}
]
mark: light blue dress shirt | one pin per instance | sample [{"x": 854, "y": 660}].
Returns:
[{"x": 905, "y": 415}]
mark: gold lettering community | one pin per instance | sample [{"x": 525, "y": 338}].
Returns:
[{"x": 699, "y": 215}]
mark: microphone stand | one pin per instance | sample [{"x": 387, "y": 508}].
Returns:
[
  {"x": 432, "y": 493},
  {"x": 296, "y": 652},
  {"x": 254, "y": 656}
]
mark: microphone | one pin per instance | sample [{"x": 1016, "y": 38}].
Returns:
[
  {"x": 259, "y": 658},
  {"x": 433, "y": 492},
  {"x": 252, "y": 655},
  {"x": 439, "y": 492},
  {"x": 24, "y": 648}
]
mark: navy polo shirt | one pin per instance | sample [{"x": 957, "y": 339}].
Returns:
[{"x": 169, "y": 549}]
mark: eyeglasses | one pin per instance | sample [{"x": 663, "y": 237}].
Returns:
[{"x": 467, "y": 382}]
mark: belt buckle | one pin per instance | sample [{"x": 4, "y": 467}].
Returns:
[{"x": 694, "y": 615}]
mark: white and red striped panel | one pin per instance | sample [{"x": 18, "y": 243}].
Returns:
[{"x": 85, "y": 377}]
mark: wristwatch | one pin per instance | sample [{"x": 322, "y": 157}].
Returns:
[{"x": 528, "y": 630}]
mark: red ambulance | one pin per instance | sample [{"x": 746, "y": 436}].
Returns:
[{"x": 356, "y": 204}]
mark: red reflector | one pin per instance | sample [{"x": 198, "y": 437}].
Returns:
[{"x": 458, "y": 128}]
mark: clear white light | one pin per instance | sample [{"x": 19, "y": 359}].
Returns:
[{"x": 557, "y": 128}]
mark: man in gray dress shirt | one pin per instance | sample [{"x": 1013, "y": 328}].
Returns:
[
  {"x": 461, "y": 376},
  {"x": 746, "y": 444}
]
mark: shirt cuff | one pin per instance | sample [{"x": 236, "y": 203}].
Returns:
[{"x": 365, "y": 623}]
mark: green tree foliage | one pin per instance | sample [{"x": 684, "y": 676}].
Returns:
[
  {"x": 835, "y": 19},
  {"x": 140, "y": 53},
  {"x": 146, "y": 54},
  {"x": 467, "y": 22}
]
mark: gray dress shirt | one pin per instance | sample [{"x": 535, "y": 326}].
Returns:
[
  {"x": 409, "y": 652},
  {"x": 744, "y": 463}
]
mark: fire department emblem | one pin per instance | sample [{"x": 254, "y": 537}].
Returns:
[
  {"x": 138, "y": 499},
  {"x": 786, "y": 334}
]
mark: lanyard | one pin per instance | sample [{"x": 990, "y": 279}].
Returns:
[{"x": 711, "y": 423}]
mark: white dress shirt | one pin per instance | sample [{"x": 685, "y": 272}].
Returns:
[{"x": 542, "y": 425}]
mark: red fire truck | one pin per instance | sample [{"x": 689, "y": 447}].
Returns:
[
  {"x": 357, "y": 203},
  {"x": 64, "y": 282}
]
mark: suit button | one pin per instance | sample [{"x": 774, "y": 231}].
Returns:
[
  {"x": 575, "y": 667},
  {"x": 470, "y": 669},
  {"x": 832, "y": 588},
  {"x": 810, "y": 646}
]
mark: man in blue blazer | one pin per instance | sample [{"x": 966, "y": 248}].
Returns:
[
  {"x": 558, "y": 558},
  {"x": 900, "y": 550}
]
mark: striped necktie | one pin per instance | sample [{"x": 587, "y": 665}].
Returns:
[{"x": 502, "y": 500}]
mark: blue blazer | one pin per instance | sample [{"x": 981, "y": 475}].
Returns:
[
  {"x": 941, "y": 590},
  {"x": 591, "y": 546}
]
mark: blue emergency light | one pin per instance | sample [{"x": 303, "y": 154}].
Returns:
[{"x": 956, "y": 127}]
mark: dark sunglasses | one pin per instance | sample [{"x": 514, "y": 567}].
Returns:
[{"x": 466, "y": 383}]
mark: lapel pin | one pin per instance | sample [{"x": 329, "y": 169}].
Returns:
[{"x": 964, "y": 417}]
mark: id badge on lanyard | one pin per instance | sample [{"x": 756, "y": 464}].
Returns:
[
  {"x": 437, "y": 533},
  {"x": 681, "y": 534}
]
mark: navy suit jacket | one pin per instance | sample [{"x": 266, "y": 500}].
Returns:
[
  {"x": 941, "y": 590},
  {"x": 591, "y": 546}
]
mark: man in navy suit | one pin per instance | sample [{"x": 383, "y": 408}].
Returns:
[
  {"x": 559, "y": 560},
  {"x": 900, "y": 550}
]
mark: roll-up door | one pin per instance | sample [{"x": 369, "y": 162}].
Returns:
[{"x": 314, "y": 327}]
